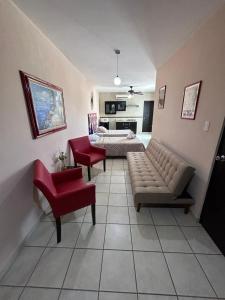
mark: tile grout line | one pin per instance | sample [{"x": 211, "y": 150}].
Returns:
[
  {"x": 171, "y": 225},
  {"x": 44, "y": 248},
  {"x": 178, "y": 226},
  {"x": 163, "y": 254},
  {"x": 132, "y": 247},
  {"x": 71, "y": 257},
  {"x": 91, "y": 248},
  {"x": 199, "y": 263},
  {"x": 193, "y": 253},
  {"x": 103, "y": 249},
  {"x": 122, "y": 224},
  {"x": 121, "y": 292}
]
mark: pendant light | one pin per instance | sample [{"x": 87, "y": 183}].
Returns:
[{"x": 117, "y": 80}]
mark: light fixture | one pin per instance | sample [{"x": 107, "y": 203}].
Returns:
[{"x": 117, "y": 80}]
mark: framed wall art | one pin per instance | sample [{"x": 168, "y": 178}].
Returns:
[
  {"x": 45, "y": 105},
  {"x": 162, "y": 96},
  {"x": 92, "y": 123},
  {"x": 190, "y": 100}
]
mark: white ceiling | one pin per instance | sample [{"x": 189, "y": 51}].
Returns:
[{"x": 147, "y": 32}]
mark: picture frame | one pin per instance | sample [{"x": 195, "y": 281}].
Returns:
[
  {"x": 45, "y": 105},
  {"x": 190, "y": 100},
  {"x": 162, "y": 96},
  {"x": 92, "y": 123}
]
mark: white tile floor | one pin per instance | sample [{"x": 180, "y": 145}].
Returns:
[{"x": 157, "y": 254}]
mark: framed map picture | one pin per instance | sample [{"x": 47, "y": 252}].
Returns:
[
  {"x": 162, "y": 96},
  {"x": 190, "y": 101},
  {"x": 45, "y": 105}
]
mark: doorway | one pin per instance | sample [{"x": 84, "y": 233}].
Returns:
[
  {"x": 147, "y": 116},
  {"x": 213, "y": 212}
]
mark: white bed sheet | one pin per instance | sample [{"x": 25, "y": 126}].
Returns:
[
  {"x": 119, "y": 146},
  {"x": 114, "y": 133}
]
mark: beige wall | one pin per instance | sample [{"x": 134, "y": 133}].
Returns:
[
  {"x": 131, "y": 111},
  {"x": 24, "y": 47},
  {"x": 202, "y": 58}
]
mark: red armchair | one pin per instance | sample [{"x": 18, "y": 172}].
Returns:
[
  {"x": 65, "y": 191},
  {"x": 87, "y": 154}
]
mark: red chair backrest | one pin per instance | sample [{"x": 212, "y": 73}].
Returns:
[
  {"x": 43, "y": 181},
  {"x": 81, "y": 144}
]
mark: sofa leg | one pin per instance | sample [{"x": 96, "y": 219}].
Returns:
[
  {"x": 186, "y": 209},
  {"x": 104, "y": 165},
  {"x": 93, "y": 214},
  {"x": 138, "y": 207},
  {"x": 89, "y": 173},
  {"x": 58, "y": 229}
]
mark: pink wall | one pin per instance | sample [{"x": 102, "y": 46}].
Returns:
[
  {"x": 201, "y": 58},
  {"x": 24, "y": 47}
]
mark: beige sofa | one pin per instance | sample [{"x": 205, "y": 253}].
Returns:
[{"x": 159, "y": 177}]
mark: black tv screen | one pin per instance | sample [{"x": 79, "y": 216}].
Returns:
[{"x": 121, "y": 105}]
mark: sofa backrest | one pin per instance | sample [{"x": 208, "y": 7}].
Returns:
[
  {"x": 81, "y": 144},
  {"x": 175, "y": 172},
  {"x": 43, "y": 181}
]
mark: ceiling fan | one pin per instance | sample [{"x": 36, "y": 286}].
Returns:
[{"x": 132, "y": 92}]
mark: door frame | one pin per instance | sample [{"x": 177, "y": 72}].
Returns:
[{"x": 213, "y": 163}]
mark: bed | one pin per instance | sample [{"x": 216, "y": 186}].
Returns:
[
  {"x": 114, "y": 133},
  {"x": 119, "y": 146}
]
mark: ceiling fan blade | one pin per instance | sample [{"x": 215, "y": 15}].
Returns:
[{"x": 138, "y": 93}]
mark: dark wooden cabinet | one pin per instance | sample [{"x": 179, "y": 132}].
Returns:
[
  {"x": 104, "y": 124},
  {"x": 127, "y": 125}
]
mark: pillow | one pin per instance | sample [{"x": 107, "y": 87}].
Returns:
[
  {"x": 93, "y": 137},
  {"x": 101, "y": 129},
  {"x": 131, "y": 135}
]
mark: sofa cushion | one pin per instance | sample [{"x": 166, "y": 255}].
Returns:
[
  {"x": 158, "y": 175},
  {"x": 147, "y": 184},
  {"x": 174, "y": 171}
]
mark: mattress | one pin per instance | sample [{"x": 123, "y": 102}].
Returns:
[
  {"x": 119, "y": 146},
  {"x": 114, "y": 133}
]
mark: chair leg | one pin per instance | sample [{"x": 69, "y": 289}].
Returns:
[
  {"x": 138, "y": 207},
  {"x": 186, "y": 209},
  {"x": 58, "y": 229},
  {"x": 104, "y": 165},
  {"x": 93, "y": 213},
  {"x": 89, "y": 173}
]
